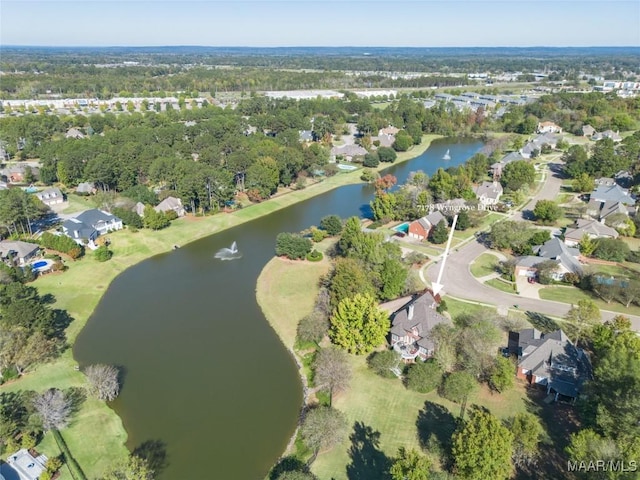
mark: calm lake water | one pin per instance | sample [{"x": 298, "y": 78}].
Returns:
[{"x": 205, "y": 375}]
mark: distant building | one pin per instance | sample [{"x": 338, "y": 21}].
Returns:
[
  {"x": 548, "y": 127},
  {"x": 23, "y": 466},
  {"x": 51, "y": 196},
  {"x": 171, "y": 204}
]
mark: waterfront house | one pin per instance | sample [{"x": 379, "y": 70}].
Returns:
[
  {"x": 548, "y": 127},
  {"x": 411, "y": 326},
  {"x": 17, "y": 252},
  {"x": 170, "y": 204},
  {"x": 419, "y": 229},
  {"x": 89, "y": 225}
]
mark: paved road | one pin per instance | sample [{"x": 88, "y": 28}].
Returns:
[
  {"x": 549, "y": 191},
  {"x": 458, "y": 281}
]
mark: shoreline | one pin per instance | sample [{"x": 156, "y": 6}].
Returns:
[{"x": 72, "y": 294}]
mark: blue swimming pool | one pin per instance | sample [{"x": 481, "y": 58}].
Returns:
[
  {"x": 403, "y": 227},
  {"x": 31, "y": 189},
  {"x": 40, "y": 264}
]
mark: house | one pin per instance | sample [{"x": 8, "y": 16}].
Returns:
[
  {"x": 497, "y": 168},
  {"x": 613, "y": 193},
  {"x": 488, "y": 193},
  {"x": 17, "y": 252},
  {"x": 588, "y": 131},
  {"x": 23, "y": 466},
  {"x": 548, "y": 127},
  {"x": 17, "y": 173},
  {"x": 86, "y": 188},
  {"x": 51, "y": 196},
  {"x": 565, "y": 257},
  {"x": 305, "y": 135},
  {"x": 74, "y": 133},
  {"x": 139, "y": 209},
  {"x": 384, "y": 140},
  {"x": 530, "y": 150},
  {"x": 590, "y": 228},
  {"x": 89, "y": 225},
  {"x": 604, "y": 182},
  {"x": 348, "y": 152},
  {"x": 411, "y": 325},
  {"x": 615, "y": 136},
  {"x": 419, "y": 229},
  {"x": 550, "y": 360},
  {"x": 170, "y": 204},
  {"x": 390, "y": 130}
]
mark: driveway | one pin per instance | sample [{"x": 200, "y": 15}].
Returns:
[
  {"x": 549, "y": 190},
  {"x": 458, "y": 282}
]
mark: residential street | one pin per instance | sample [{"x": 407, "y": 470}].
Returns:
[{"x": 459, "y": 282}]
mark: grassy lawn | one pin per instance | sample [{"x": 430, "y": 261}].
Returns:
[
  {"x": 286, "y": 291},
  {"x": 617, "y": 271},
  {"x": 484, "y": 222},
  {"x": 388, "y": 408},
  {"x": 485, "y": 264},
  {"x": 633, "y": 242},
  {"x": 572, "y": 295},
  {"x": 501, "y": 285}
]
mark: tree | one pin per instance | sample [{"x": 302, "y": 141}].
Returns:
[
  {"x": 424, "y": 377},
  {"x": 383, "y": 362},
  {"x": 102, "y": 253},
  {"x": 482, "y": 448},
  {"x": 611, "y": 249},
  {"x": 263, "y": 176},
  {"x": 358, "y": 325},
  {"x": 54, "y": 409},
  {"x": 457, "y": 386},
  {"x": 464, "y": 221},
  {"x": 518, "y": 174},
  {"x": 332, "y": 371},
  {"x": 332, "y": 224},
  {"x": 371, "y": 160},
  {"x": 134, "y": 468},
  {"x": 349, "y": 278},
  {"x": 103, "y": 381},
  {"x": 526, "y": 430},
  {"x": 383, "y": 184},
  {"x": 547, "y": 211},
  {"x": 410, "y": 465},
  {"x": 583, "y": 183},
  {"x": 312, "y": 327},
  {"x": 292, "y": 246},
  {"x": 439, "y": 233},
  {"x": 393, "y": 276},
  {"x": 502, "y": 374},
  {"x": 128, "y": 217},
  {"x": 323, "y": 428},
  {"x": 629, "y": 293},
  {"x": 587, "y": 245},
  {"x": 509, "y": 235},
  {"x": 545, "y": 271},
  {"x": 402, "y": 142},
  {"x": 387, "y": 154},
  {"x": 584, "y": 315},
  {"x": 154, "y": 220},
  {"x": 575, "y": 160}
]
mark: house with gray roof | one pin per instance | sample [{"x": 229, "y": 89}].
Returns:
[
  {"x": 590, "y": 228},
  {"x": 497, "y": 168},
  {"x": 170, "y": 204},
  {"x": 550, "y": 360},
  {"x": 385, "y": 140},
  {"x": 89, "y": 225},
  {"x": 612, "y": 193},
  {"x": 305, "y": 135},
  {"x": 50, "y": 196},
  {"x": 588, "y": 131},
  {"x": 86, "y": 187},
  {"x": 16, "y": 252},
  {"x": 74, "y": 132},
  {"x": 419, "y": 229},
  {"x": 565, "y": 257},
  {"x": 615, "y": 136},
  {"x": 488, "y": 193},
  {"x": 348, "y": 152},
  {"x": 411, "y": 326}
]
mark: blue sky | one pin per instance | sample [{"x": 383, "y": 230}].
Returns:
[{"x": 266, "y": 23}]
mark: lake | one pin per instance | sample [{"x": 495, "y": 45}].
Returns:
[{"x": 205, "y": 375}]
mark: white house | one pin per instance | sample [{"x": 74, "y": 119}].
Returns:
[
  {"x": 548, "y": 127},
  {"x": 89, "y": 225},
  {"x": 488, "y": 193},
  {"x": 51, "y": 196}
]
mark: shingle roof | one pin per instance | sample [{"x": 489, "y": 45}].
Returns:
[
  {"x": 592, "y": 228},
  {"x": 488, "y": 190},
  {"x": 21, "y": 249},
  {"x": 423, "y": 318},
  {"x": 614, "y": 193}
]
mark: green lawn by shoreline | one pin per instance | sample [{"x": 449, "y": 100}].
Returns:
[{"x": 80, "y": 288}]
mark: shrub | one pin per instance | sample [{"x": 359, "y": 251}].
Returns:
[
  {"x": 424, "y": 377},
  {"x": 102, "y": 254},
  {"x": 61, "y": 243},
  {"x": 371, "y": 160},
  {"x": 382, "y": 362},
  {"x": 312, "y": 328},
  {"x": 314, "y": 256},
  {"x": 332, "y": 224},
  {"x": 318, "y": 235},
  {"x": 171, "y": 215},
  {"x": 369, "y": 175},
  {"x": 129, "y": 217},
  {"x": 387, "y": 154},
  {"x": 457, "y": 386},
  {"x": 442, "y": 307},
  {"x": 292, "y": 245}
]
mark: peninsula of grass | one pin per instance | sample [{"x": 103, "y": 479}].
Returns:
[
  {"x": 484, "y": 265},
  {"x": 286, "y": 291},
  {"x": 79, "y": 289}
]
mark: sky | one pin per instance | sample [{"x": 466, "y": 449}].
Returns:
[{"x": 267, "y": 23}]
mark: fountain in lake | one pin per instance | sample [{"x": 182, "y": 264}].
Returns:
[
  {"x": 446, "y": 156},
  {"x": 230, "y": 253}
]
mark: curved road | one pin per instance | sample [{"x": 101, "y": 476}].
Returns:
[{"x": 458, "y": 281}]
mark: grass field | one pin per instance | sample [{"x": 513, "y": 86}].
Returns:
[
  {"x": 573, "y": 295},
  {"x": 484, "y": 265},
  {"x": 501, "y": 285}
]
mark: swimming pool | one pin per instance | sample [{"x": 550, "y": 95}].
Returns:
[
  {"x": 31, "y": 189},
  {"x": 342, "y": 166},
  {"x": 403, "y": 227},
  {"x": 40, "y": 264}
]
